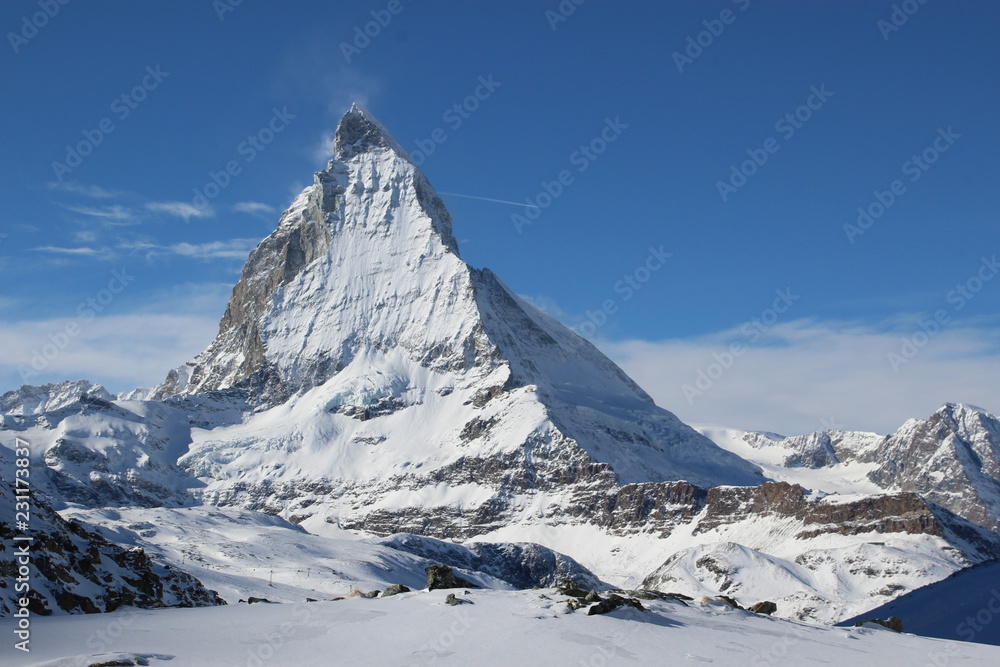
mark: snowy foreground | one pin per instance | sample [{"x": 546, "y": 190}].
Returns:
[{"x": 499, "y": 627}]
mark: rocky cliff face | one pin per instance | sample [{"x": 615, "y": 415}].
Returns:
[
  {"x": 818, "y": 558},
  {"x": 75, "y": 570},
  {"x": 952, "y": 458}
]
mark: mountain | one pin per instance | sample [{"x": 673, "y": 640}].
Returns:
[
  {"x": 366, "y": 379},
  {"x": 73, "y": 569},
  {"x": 951, "y": 458},
  {"x": 819, "y": 557},
  {"x": 397, "y": 389}
]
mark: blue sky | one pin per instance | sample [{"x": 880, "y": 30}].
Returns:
[{"x": 832, "y": 99}]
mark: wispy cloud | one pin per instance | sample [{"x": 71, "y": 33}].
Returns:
[
  {"x": 228, "y": 249},
  {"x": 232, "y": 249},
  {"x": 113, "y": 215},
  {"x": 324, "y": 150},
  {"x": 253, "y": 208},
  {"x": 91, "y": 191},
  {"x": 81, "y": 251},
  {"x": 85, "y": 236},
  {"x": 180, "y": 209}
]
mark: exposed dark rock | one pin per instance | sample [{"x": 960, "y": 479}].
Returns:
[
  {"x": 571, "y": 587},
  {"x": 395, "y": 589},
  {"x": 613, "y": 602},
  {"x": 765, "y": 607},
  {"x": 441, "y": 576},
  {"x": 649, "y": 594},
  {"x": 253, "y": 600},
  {"x": 730, "y": 601},
  {"x": 892, "y": 623},
  {"x": 522, "y": 565},
  {"x": 455, "y": 601}
]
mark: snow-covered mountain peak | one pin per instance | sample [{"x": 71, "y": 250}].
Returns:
[
  {"x": 378, "y": 360},
  {"x": 360, "y": 132},
  {"x": 32, "y": 400}
]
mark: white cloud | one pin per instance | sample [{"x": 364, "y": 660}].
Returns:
[
  {"x": 324, "y": 150},
  {"x": 112, "y": 215},
  {"x": 253, "y": 208},
  {"x": 91, "y": 191},
  {"x": 228, "y": 249},
  {"x": 82, "y": 251},
  {"x": 85, "y": 236},
  {"x": 231, "y": 249},
  {"x": 803, "y": 372},
  {"x": 120, "y": 351},
  {"x": 180, "y": 209}
]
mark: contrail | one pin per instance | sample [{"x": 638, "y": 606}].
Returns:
[{"x": 499, "y": 201}]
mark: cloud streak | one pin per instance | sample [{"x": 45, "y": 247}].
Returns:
[
  {"x": 253, "y": 208},
  {"x": 112, "y": 215},
  {"x": 81, "y": 251},
  {"x": 180, "y": 209},
  {"x": 806, "y": 371},
  {"x": 228, "y": 249},
  {"x": 90, "y": 191}
]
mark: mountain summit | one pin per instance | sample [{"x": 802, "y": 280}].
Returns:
[{"x": 395, "y": 385}]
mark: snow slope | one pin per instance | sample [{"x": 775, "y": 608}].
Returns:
[
  {"x": 965, "y": 606},
  {"x": 240, "y": 553},
  {"x": 498, "y": 628}
]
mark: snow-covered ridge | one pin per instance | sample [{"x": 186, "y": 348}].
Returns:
[{"x": 951, "y": 458}]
